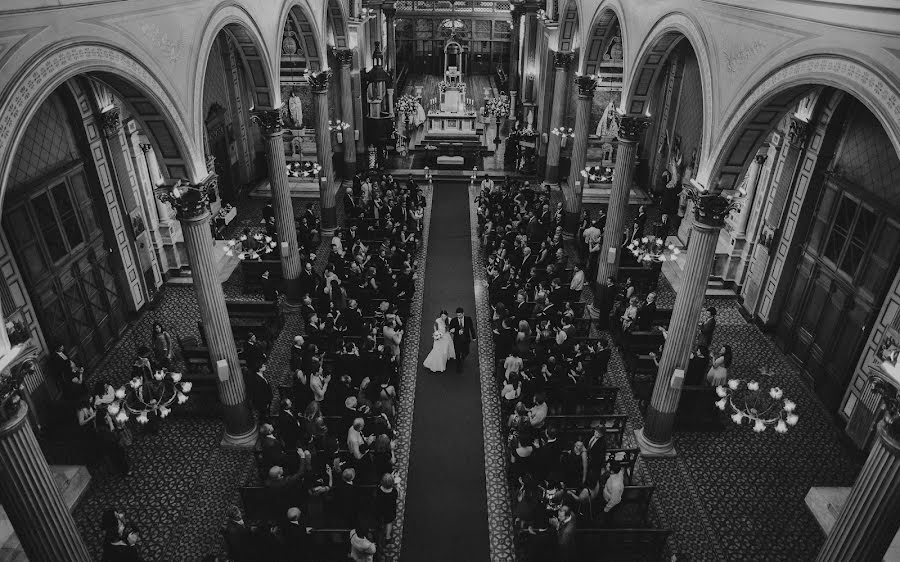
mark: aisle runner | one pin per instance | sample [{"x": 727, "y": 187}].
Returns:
[
  {"x": 500, "y": 520},
  {"x": 407, "y": 390}
]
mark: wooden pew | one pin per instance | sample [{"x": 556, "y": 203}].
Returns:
[
  {"x": 614, "y": 425},
  {"x": 572, "y": 399},
  {"x": 638, "y": 545},
  {"x": 253, "y": 270},
  {"x": 267, "y": 311},
  {"x": 633, "y": 511}
]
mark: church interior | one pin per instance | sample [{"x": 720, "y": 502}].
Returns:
[{"x": 534, "y": 280}]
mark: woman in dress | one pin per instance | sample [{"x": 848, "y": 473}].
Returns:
[
  {"x": 443, "y": 349},
  {"x": 718, "y": 373},
  {"x": 163, "y": 351}
]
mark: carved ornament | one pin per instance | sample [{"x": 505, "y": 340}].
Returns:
[
  {"x": 737, "y": 56},
  {"x": 191, "y": 202},
  {"x": 318, "y": 81},
  {"x": 171, "y": 49},
  {"x": 890, "y": 397},
  {"x": 797, "y": 132},
  {"x": 586, "y": 85},
  {"x": 563, "y": 59},
  {"x": 269, "y": 120},
  {"x": 710, "y": 208},
  {"x": 631, "y": 127},
  {"x": 109, "y": 121},
  {"x": 344, "y": 57}
]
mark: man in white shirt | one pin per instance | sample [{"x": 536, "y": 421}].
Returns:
[
  {"x": 538, "y": 413},
  {"x": 577, "y": 284},
  {"x": 356, "y": 440},
  {"x": 615, "y": 486},
  {"x": 488, "y": 184}
]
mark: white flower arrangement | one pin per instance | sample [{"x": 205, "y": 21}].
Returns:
[{"x": 761, "y": 408}]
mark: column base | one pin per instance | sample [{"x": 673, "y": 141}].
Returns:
[
  {"x": 651, "y": 449},
  {"x": 292, "y": 294},
  {"x": 243, "y": 441},
  {"x": 291, "y": 307},
  {"x": 327, "y": 232}
]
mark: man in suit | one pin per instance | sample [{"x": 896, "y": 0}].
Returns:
[
  {"x": 350, "y": 208},
  {"x": 270, "y": 293},
  {"x": 707, "y": 328},
  {"x": 596, "y": 447},
  {"x": 549, "y": 455},
  {"x": 68, "y": 375},
  {"x": 253, "y": 353},
  {"x": 296, "y": 362},
  {"x": 288, "y": 426},
  {"x": 238, "y": 536},
  {"x": 296, "y": 536},
  {"x": 259, "y": 391},
  {"x": 601, "y": 359},
  {"x": 463, "y": 329},
  {"x": 564, "y": 523},
  {"x": 646, "y": 313}
]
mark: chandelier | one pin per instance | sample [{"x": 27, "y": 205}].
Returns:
[
  {"x": 652, "y": 249},
  {"x": 747, "y": 401},
  {"x": 151, "y": 397},
  {"x": 595, "y": 173},
  {"x": 306, "y": 169},
  {"x": 250, "y": 247}
]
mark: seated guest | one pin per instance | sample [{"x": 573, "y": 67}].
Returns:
[
  {"x": 538, "y": 413},
  {"x": 361, "y": 548},
  {"x": 295, "y": 534},
  {"x": 125, "y": 548},
  {"x": 238, "y": 536},
  {"x": 614, "y": 487},
  {"x": 357, "y": 443}
]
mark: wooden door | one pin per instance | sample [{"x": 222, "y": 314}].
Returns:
[
  {"x": 62, "y": 252},
  {"x": 845, "y": 266}
]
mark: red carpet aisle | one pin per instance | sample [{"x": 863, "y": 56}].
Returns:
[{"x": 446, "y": 510}]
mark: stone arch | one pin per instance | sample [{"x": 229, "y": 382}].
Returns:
[
  {"x": 336, "y": 18},
  {"x": 768, "y": 99},
  {"x": 248, "y": 40},
  {"x": 665, "y": 35},
  {"x": 599, "y": 36},
  {"x": 296, "y": 18},
  {"x": 568, "y": 27},
  {"x": 147, "y": 94}
]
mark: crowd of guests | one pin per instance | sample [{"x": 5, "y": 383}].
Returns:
[
  {"x": 326, "y": 452},
  {"x": 547, "y": 367}
]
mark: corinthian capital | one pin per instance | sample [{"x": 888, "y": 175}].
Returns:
[
  {"x": 109, "y": 121},
  {"x": 631, "y": 127},
  {"x": 190, "y": 201},
  {"x": 318, "y": 81},
  {"x": 563, "y": 59},
  {"x": 344, "y": 57},
  {"x": 268, "y": 120},
  {"x": 586, "y": 85}
]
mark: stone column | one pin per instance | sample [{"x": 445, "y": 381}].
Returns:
[
  {"x": 572, "y": 192},
  {"x": 191, "y": 205},
  {"x": 630, "y": 130},
  {"x": 870, "y": 517},
  {"x": 319, "y": 84},
  {"x": 389, "y": 12},
  {"x": 529, "y": 44},
  {"x": 561, "y": 62},
  {"x": 743, "y": 218},
  {"x": 271, "y": 126},
  {"x": 149, "y": 201},
  {"x": 345, "y": 60},
  {"x": 514, "y": 75},
  {"x": 30, "y": 497},
  {"x": 710, "y": 211}
]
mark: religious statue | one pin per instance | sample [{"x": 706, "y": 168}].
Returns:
[
  {"x": 295, "y": 108},
  {"x": 675, "y": 166},
  {"x": 689, "y": 171},
  {"x": 608, "y": 126}
]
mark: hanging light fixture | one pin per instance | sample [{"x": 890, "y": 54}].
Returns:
[{"x": 759, "y": 407}]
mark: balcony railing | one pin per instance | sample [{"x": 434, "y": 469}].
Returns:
[{"x": 452, "y": 6}]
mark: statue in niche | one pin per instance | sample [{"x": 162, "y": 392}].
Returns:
[
  {"x": 614, "y": 52},
  {"x": 675, "y": 165},
  {"x": 608, "y": 127},
  {"x": 689, "y": 171},
  {"x": 295, "y": 108}
]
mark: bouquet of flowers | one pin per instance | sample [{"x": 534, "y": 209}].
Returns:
[
  {"x": 406, "y": 105},
  {"x": 436, "y": 335},
  {"x": 497, "y": 107},
  {"x": 443, "y": 86}
]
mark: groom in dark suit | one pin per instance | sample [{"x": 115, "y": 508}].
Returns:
[{"x": 463, "y": 330}]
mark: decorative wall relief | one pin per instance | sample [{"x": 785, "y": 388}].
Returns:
[
  {"x": 737, "y": 56},
  {"x": 172, "y": 49}
]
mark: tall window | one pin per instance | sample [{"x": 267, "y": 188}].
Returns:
[{"x": 852, "y": 230}]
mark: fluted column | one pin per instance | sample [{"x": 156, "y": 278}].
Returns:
[
  {"x": 630, "y": 130},
  {"x": 530, "y": 56},
  {"x": 319, "y": 83},
  {"x": 345, "y": 60},
  {"x": 271, "y": 126},
  {"x": 870, "y": 517},
  {"x": 31, "y": 498},
  {"x": 191, "y": 205},
  {"x": 561, "y": 62},
  {"x": 391, "y": 56},
  {"x": 710, "y": 211},
  {"x": 513, "y": 80},
  {"x": 743, "y": 218},
  {"x": 572, "y": 191}
]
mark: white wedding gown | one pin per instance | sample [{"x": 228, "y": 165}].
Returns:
[{"x": 442, "y": 351}]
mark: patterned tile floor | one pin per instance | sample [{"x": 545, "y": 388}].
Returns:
[
  {"x": 734, "y": 494},
  {"x": 183, "y": 480}
]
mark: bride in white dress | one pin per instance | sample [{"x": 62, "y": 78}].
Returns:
[{"x": 443, "y": 350}]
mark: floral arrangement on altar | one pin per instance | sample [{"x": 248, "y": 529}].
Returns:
[
  {"x": 303, "y": 169},
  {"x": 496, "y": 107},
  {"x": 747, "y": 401},
  {"x": 253, "y": 247},
  {"x": 443, "y": 86},
  {"x": 407, "y": 104}
]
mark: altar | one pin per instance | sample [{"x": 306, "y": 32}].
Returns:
[{"x": 453, "y": 113}]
